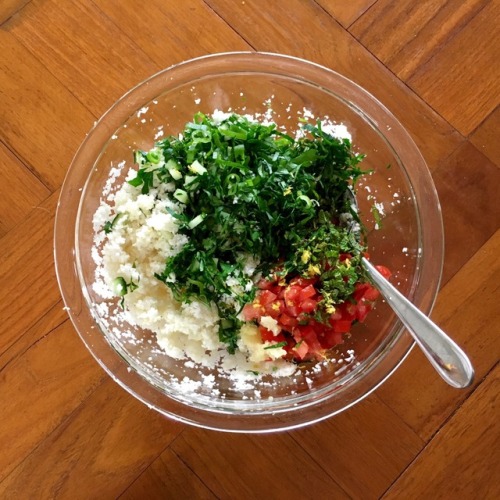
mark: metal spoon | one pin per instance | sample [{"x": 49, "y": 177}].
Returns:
[{"x": 447, "y": 358}]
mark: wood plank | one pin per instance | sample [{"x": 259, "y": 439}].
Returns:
[
  {"x": 471, "y": 218},
  {"x": 9, "y": 7},
  {"x": 324, "y": 41},
  {"x": 41, "y": 120},
  {"x": 346, "y": 12},
  {"x": 451, "y": 77},
  {"x": 354, "y": 440},
  {"x": 38, "y": 391},
  {"x": 254, "y": 466},
  {"x": 95, "y": 453},
  {"x": 29, "y": 286},
  {"x": 463, "y": 460},
  {"x": 52, "y": 319},
  {"x": 486, "y": 138},
  {"x": 467, "y": 308},
  {"x": 166, "y": 478},
  {"x": 85, "y": 50},
  {"x": 406, "y": 34},
  {"x": 168, "y": 41},
  {"x": 25, "y": 190}
]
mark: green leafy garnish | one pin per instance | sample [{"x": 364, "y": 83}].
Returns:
[
  {"x": 276, "y": 346},
  {"x": 245, "y": 190}
]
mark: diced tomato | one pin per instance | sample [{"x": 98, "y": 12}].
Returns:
[
  {"x": 287, "y": 321},
  {"x": 292, "y": 294},
  {"x": 308, "y": 306},
  {"x": 344, "y": 256},
  {"x": 266, "y": 297},
  {"x": 336, "y": 315},
  {"x": 274, "y": 309},
  {"x": 301, "y": 349},
  {"x": 360, "y": 290},
  {"x": 362, "y": 310},
  {"x": 341, "y": 326},
  {"x": 307, "y": 292},
  {"x": 365, "y": 291},
  {"x": 347, "y": 310},
  {"x": 266, "y": 284},
  {"x": 371, "y": 294},
  {"x": 266, "y": 335},
  {"x": 252, "y": 311},
  {"x": 308, "y": 334},
  {"x": 331, "y": 339},
  {"x": 384, "y": 271},
  {"x": 292, "y": 310},
  {"x": 303, "y": 282}
]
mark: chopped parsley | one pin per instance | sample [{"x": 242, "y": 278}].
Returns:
[{"x": 248, "y": 189}]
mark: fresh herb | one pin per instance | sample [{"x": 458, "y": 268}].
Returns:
[
  {"x": 247, "y": 189},
  {"x": 277, "y": 345},
  {"x": 109, "y": 225},
  {"x": 377, "y": 216}
]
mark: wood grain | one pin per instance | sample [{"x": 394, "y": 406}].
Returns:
[
  {"x": 106, "y": 443},
  {"x": 9, "y": 7},
  {"x": 26, "y": 257},
  {"x": 472, "y": 217},
  {"x": 29, "y": 90},
  {"x": 15, "y": 204},
  {"x": 341, "y": 441},
  {"x": 39, "y": 390},
  {"x": 68, "y": 431},
  {"x": 324, "y": 41},
  {"x": 245, "y": 466},
  {"x": 346, "y": 12},
  {"x": 406, "y": 34},
  {"x": 87, "y": 52},
  {"x": 451, "y": 77},
  {"x": 486, "y": 137},
  {"x": 168, "y": 477},
  {"x": 166, "y": 41},
  {"x": 467, "y": 309},
  {"x": 451, "y": 465}
]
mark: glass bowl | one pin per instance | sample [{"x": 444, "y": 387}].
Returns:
[{"x": 408, "y": 240}]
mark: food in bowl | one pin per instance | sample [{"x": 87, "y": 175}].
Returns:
[
  {"x": 238, "y": 243},
  {"x": 410, "y": 241}
]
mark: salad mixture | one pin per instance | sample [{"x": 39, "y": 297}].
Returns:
[{"x": 236, "y": 237}]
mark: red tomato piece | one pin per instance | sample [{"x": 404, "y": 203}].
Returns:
[
  {"x": 287, "y": 321},
  {"x": 266, "y": 335},
  {"x": 292, "y": 294},
  {"x": 348, "y": 311},
  {"x": 359, "y": 291},
  {"x": 342, "y": 326},
  {"x": 308, "y": 306},
  {"x": 292, "y": 310},
  {"x": 274, "y": 309},
  {"x": 362, "y": 310},
  {"x": 331, "y": 339},
  {"x": 384, "y": 271},
  {"x": 266, "y": 284},
  {"x": 252, "y": 311},
  {"x": 303, "y": 282},
  {"x": 307, "y": 292},
  {"x": 308, "y": 334},
  {"x": 371, "y": 293},
  {"x": 266, "y": 297},
  {"x": 301, "y": 349}
]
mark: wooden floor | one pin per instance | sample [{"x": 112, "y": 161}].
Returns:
[{"x": 68, "y": 431}]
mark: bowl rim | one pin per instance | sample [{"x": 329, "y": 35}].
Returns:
[{"x": 129, "y": 102}]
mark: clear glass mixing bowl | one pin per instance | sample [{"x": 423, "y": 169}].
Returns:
[{"x": 409, "y": 241}]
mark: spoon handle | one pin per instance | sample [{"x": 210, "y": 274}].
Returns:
[{"x": 444, "y": 354}]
